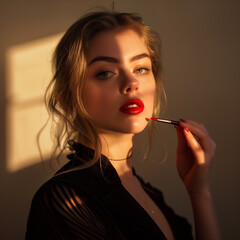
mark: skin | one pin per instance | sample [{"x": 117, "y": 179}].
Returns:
[
  {"x": 194, "y": 159},
  {"x": 109, "y": 85}
]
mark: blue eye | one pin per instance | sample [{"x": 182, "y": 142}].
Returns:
[{"x": 104, "y": 75}]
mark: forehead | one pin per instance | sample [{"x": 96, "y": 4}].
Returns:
[{"x": 118, "y": 43}]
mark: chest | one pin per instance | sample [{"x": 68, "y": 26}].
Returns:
[{"x": 143, "y": 199}]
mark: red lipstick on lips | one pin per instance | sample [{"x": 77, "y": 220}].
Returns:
[{"x": 132, "y": 106}]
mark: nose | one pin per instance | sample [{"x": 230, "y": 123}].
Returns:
[{"x": 129, "y": 84}]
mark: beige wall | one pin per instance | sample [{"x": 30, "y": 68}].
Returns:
[{"x": 201, "y": 58}]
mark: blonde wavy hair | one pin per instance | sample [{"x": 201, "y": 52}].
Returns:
[{"x": 63, "y": 98}]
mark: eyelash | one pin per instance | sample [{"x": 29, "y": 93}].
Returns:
[
  {"x": 102, "y": 75},
  {"x": 144, "y": 69}
]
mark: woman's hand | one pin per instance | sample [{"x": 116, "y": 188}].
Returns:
[{"x": 195, "y": 152}]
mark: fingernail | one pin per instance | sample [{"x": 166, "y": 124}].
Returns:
[
  {"x": 187, "y": 129},
  {"x": 182, "y": 120}
]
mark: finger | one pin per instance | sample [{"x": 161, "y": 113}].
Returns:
[
  {"x": 198, "y": 130},
  {"x": 195, "y": 147},
  {"x": 182, "y": 142},
  {"x": 194, "y": 125},
  {"x": 190, "y": 121}
]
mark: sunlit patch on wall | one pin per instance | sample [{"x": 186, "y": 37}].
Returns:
[{"x": 28, "y": 71}]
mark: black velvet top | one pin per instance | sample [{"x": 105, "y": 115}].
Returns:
[{"x": 93, "y": 204}]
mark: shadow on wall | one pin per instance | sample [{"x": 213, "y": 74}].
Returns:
[
  {"x": 16, "y": 195},
  {"x": 28, "y": 71},
  {"x": 29, "y": 32}
]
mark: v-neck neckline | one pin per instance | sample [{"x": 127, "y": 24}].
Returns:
[
  {"x": 141, "y": 208},
  {"x": 112, "y": 178}
]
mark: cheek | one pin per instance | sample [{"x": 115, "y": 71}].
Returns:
[
  {"x": 96, "y": 100},
  {"x": 149, "y": 98},
  {"x": 150, "y": 93}
]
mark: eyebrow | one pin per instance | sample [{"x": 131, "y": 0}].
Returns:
[{"x": 115, "y": 60}]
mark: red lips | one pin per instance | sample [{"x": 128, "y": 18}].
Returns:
[{"x": 132, "y": 106}]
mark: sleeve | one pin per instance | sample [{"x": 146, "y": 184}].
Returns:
[{"x": 58, "y": 212}]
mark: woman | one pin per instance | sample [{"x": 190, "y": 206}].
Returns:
[{"x": 107, "y": 82}]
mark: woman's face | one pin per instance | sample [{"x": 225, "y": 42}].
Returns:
[{"x": 120, "y": 85}]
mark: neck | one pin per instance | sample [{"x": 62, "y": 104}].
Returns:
[{"x": 117, "y": 146}]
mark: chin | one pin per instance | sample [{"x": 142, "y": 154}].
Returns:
[
  {"x": 135, "y": 127},
  {"x": 129, "y": 126}
]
